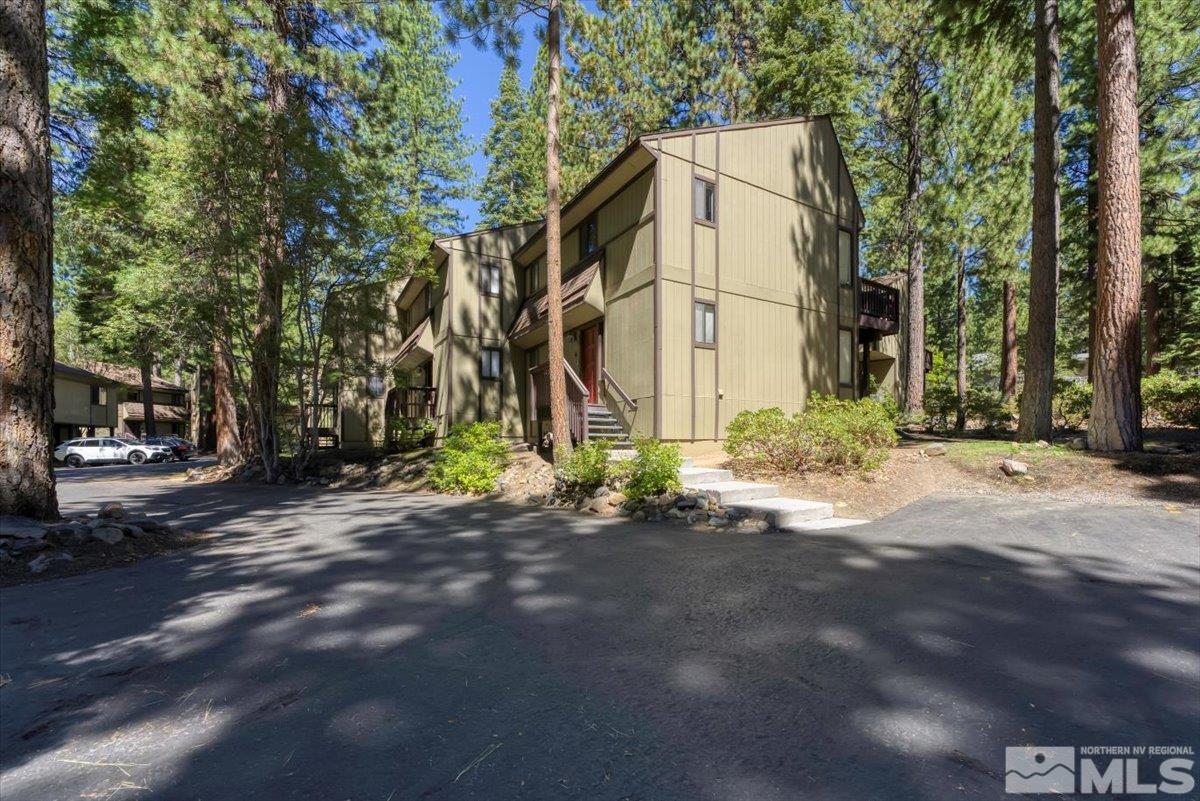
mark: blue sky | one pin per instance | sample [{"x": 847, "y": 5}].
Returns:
[{"x": 478, "y": 75}]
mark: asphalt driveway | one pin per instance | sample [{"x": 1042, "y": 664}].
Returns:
[{"x": 370, "y": 645}]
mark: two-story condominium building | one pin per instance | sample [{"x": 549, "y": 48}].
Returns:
[{"x": 705, "y": 272}]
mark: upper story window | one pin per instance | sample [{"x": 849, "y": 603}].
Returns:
[
  {"x": 489, "y": 364},
  {"x": 489, "y": 280},
  {"x": 705, "y": 323},
  {"x": 704, "y": 201},
  {"x": 99, "y": 396},
  {"x": 589, "y": 237},
  {"x": 845, "y": 257},
  {"x": 533, "y": 278}
]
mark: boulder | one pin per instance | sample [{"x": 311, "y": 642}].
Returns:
[
  {"x": 109, "y": 535},
  {"x": 666, "y": 499},
  {"x": 676, "y": 514},
  {"x": 753, "y": 527},
  {"x": 1041, "y": 443},
  {"x": 44, "y": 561},
  {"x": 616, "y": 499},
  {"x": 716, "y": 521},
  {"x": 598, "y": 506},
  {"x": 1011, "y": 467},
  {"x": 936, "y": 449},
  {"x": 638, "y": 516},
  {"x": 28, "y": 544},
  {"x": 601, "y": 491},
  {"x": 1077, "y": 444},
  {"x": 112, "y": 511},
  {"x": 143, "y": 522},
  {"x": 21, "y": 528}
]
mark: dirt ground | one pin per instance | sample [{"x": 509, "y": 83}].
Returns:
[{"x": 971, "y": 466}]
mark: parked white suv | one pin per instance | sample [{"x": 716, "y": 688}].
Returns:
[{"x": 107, "y": 450}]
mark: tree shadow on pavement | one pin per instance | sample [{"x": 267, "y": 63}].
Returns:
[{"x": 378, "y": 645}]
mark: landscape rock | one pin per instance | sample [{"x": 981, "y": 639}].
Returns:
[
  {"x": 1041, "y": 443},
  {"x": 717, "y": 521},
  {"x": 616, "y": 499},
  {"x": 112, "y": 511},
  {"x": 109, "y": 535},
  {"x": 21, "y": 527},
  {"x": 1077, "y": 444},
  {"x": 1011, "y": 467},
  {"x": 44, "y": 561},
  {"x": 752, "y": 526},
  {"x": 936, "y": 449},
  {"x": 638, "y": 516},
  {"x": 666, "y": 499},
  {"x": 601, "y": 491}
]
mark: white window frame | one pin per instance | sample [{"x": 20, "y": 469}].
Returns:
[
  {"x": 704, "y": 324},
  {"x": 702, "y": 208}
]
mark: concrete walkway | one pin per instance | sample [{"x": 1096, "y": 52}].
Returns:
[{"x": 384, "y": 646}]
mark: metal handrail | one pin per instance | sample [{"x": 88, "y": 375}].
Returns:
[{"x": 617, "y": 388}]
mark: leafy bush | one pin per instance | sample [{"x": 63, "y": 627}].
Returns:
[
  {"x": 1072, "y": 402},
  {"x": 1173, "y": 397},
  {"x": 654, "y": 470},
  {"x": 471, "y": 459},
  {"x": 831, "y": 434},
  {"x": 845, "y": 435},
  {"x": 765, "y": 439},
  {"x": 988, "y": 406},
  {"x": 405, "y": 434},
  {"x": 588, "y": 466},
  {"x": 941, "y": 396}
]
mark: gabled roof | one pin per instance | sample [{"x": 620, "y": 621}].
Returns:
[
  {"x": 131, "y": 376},
  {"x": 79, "y": 374},
  {"x": 574, "y": 288}
]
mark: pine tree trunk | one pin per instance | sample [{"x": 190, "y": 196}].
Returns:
[
  {"x": 558, "y": 378},
  {"x": 914, "y": 363},
  {"x": 268, "y": 326},
  {"x": 149, "y": 427},
  {"x": 202, "y": 409},
  {"x": 26, "y": 277},
  {"x": 1092, "y": 233},
  {"x": 1038, "y": 392},
  {"x": 228, "y": 439},
  {"x": 1153, "y": 326},
  {"x": 960, "y": 420},
  {"x": 1008, "y": 353},
  {"x": 1116, "y": 420}
]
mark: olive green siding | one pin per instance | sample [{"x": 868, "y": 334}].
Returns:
[
  {"x": 73, "y": 404},
  {"x": 769, "y": 264}
]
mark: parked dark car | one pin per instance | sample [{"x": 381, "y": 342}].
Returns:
[{"x": 181, "y": 449}]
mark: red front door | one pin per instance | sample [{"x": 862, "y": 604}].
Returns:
[{"x": 589, "y": 361}]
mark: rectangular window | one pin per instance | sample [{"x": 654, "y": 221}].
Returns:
[
  {"x": 845, "y": 357},
  {"x": 99, "y": 396},
  {"x": 704, "y": 201},
  {"x": 845, "y": 257},
  {"x": 589, "y": 237},
  {"x": 705, "y": 323},
  {"x": 489, "y": 280},
  {"x": 489, "y": 364}
]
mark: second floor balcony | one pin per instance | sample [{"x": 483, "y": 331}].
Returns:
[{"x": 878, "y": 306}]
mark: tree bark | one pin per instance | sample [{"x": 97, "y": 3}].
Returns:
[
  {"x": 1116, "y": 420},
  {"x": 268, "y": 327},
  {"x": 1092, "y": 233},
  {"x": 149, "y": 428},
  {"x": 1153, "y": 326},
  {"x": 960, "y": 419},
  {"x": 1008, "y": 353},
  {"x": 26, "y": 275},
  {"x": 228, "y": 439},
  {"x": 1038, "y": 393},
  {"x": 202, "y": 409},
  {"x": 558, "y": 378},
  {"x": 914, "y": 363}
]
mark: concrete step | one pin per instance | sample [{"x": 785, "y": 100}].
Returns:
[
  {"x": 688, "y": 462},
  {"x": 788, "y": 514},
  {"x": 729, "y": 493},
  {"x": 828, "y": 523},
  {"x": 690, "y": 476}
]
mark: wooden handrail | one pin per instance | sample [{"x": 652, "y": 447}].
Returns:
[
  {"x": 579, "y": 385},
  {"x": 617, "y": 388}
]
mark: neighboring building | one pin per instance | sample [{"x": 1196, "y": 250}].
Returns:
[
  {"x": 85, "y": 403},
  {"x": 122, "y": 396},
  {"x": 705, "y": 272}
]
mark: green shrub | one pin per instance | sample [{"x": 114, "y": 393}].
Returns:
[
  {"x": 471, "y": 459},
  {"x": 588, "y": 466},
  {"x": 845, "y": 435},
  {"x": 988, "y": 406},
  {"x": 1072, "y": 402},
  {"x": 763, "y": 440},
  {"x": 1173, "y": 397},
  {"x": 831, "y": 434},
  {"x": 654, "y": 470},
  {"x": 941, "y": 396},
  {"x": 406, "y": 434}
]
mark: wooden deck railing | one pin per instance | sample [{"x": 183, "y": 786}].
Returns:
[
  {"x": 577, "y": 398},
  {"x": 878, "y": 306},
  {"x": 412, "y": 402}
]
